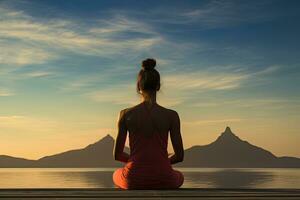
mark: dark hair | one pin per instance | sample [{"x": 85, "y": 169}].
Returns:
[{"x": 148, "y": 78}]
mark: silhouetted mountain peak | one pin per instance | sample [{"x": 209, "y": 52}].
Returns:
[
  {"x": 108, "y": 137},
  {"x": 228, "y": 133},
  {"x": 228, "y": 136},
  {"x": 228, "y": 130},
  {"x": 107, "y": 140}
]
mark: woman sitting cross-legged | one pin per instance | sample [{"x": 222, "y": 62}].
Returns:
[{"x": 148, "y": 166}]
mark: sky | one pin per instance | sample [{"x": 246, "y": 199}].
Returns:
[{"x": 68, "y": 67}]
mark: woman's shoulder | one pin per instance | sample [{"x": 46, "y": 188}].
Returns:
[
  {"x": 129, "y": 109},
  {"x": 169, "y": 111}
]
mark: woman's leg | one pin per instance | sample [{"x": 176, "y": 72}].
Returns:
[
  {"x": 179, "y": 179},
  {"x": 176, "y": 181},
  {"x": 118, "y": 178}
]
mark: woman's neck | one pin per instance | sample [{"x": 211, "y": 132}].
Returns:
[{"x": 149, "y": 98}]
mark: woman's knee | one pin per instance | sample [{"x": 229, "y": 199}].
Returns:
[
  {"x": 180, "y": 178},
  {"x": 117, "y": 176}
]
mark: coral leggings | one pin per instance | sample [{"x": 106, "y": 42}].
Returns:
[{"x": 173, "y": 181}]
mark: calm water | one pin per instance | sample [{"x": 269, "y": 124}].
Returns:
[{"x": 194, "y": 177}]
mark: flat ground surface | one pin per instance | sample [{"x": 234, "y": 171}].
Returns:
[{"x": 150, "y": 194}]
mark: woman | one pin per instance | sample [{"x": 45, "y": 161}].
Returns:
[{"x": 148, "y": 165}]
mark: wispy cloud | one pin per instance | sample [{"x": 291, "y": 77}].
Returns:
[
  {"x": 215, "y": 79},
  {"x": 19, "y": 122},
  {"x": 117, "y": 94},
  {"x": 26, "y": 40},
  {"x": 206, "y": 15},
  {"x": 38, "y": 74},
  {"x": 120, "y": 24},
  {"x": 249, "y": 103},
  {"x": 5, "y": 93},
  {"x": 212, "y": 121},
  {"x": 20, "y": 54},
  {"x": 204, "y": 80},
  {"x": 29, "y": 41},
  {"x": 223, "y": 13}
]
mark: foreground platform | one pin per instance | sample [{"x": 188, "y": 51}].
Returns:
[{"x": 180, "y": 194}]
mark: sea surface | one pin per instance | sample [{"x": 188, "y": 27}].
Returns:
[{"x": 194, "y": 178}]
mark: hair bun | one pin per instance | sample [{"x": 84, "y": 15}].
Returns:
[{"x": 149, "y": 64}]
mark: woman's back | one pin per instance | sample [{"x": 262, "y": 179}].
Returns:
[{"x": 148, "y": 134}]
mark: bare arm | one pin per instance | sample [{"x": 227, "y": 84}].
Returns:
[
  {"x": 119, "y": 153},
  {"x": 176, "y": 140}
]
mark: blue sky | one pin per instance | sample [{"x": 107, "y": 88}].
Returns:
[{"x": 68, "y": 67}]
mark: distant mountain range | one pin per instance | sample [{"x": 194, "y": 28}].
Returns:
[{"x": 226, "y": 152}]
